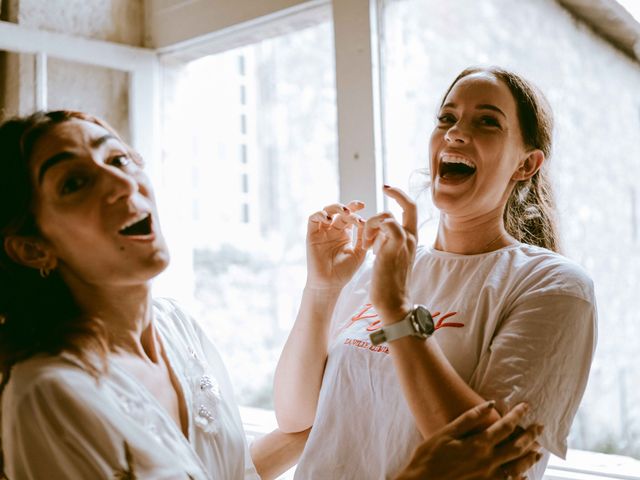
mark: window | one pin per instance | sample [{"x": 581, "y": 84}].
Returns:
[
  {"x": 594, "y": 166},
  {"x": 258, "y": 181}
]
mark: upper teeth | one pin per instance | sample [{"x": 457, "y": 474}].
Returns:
[
  {"x": 456, "y": 159},
  {"x": 135, "y": 220}
]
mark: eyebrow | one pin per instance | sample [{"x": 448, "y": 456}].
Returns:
[
  {"x": 483, "y": 106},
  {"x": 62, "y": 156}
]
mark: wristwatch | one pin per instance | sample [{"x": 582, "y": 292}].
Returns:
[{"x": 417, "y": 323}]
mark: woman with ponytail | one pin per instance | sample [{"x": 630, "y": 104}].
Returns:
[{"x": 390, "y": 347}]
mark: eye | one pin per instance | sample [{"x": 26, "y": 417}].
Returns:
[
  {"x": 446, "y": 119},
  {"x": 119, "y": 161},
  {"x": 72, "y": 184},
  {"x": 489, "y": 121}
]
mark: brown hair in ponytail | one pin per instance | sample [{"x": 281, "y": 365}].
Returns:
[{"x": 529, "y": 215}]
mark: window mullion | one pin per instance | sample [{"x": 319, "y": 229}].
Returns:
[{"x": 358, "y": 102}]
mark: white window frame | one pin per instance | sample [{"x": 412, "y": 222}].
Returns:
[
  {"x": 141, "y": 65},
  {"x": 357, "y": 37}
]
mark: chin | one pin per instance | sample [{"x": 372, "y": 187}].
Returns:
[{"x": 160, "y": 262}]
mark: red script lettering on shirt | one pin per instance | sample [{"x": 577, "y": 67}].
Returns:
[{"x": 368, "y": 313}]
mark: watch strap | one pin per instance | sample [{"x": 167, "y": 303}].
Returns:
[
  {"x": 394, "y": 331},
  {"x": 400, "y": 329}
]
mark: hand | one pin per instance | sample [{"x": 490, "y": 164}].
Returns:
[
  {"x": 395, "y": 247},
  {"x": 332, "y": 259},
  {"x": 501, "y": 451}
]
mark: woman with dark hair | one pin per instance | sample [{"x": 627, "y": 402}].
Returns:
[
  {"x": 98, "y": 379},
  {"x": 387, "y": 349}
]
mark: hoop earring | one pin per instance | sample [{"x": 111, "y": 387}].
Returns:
[{"x": 45, "y": 272}]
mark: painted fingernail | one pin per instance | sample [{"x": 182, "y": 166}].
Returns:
[
  {"x": 386, "y": 186},
  {"x": 489, "y": 405}
]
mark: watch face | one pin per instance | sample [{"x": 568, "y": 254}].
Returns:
[{"x": 422, "y": 321}]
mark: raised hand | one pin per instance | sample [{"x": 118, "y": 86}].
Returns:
[
  {"x": 502, "y": 451},
  {"x": 394, "y": 246},
  {"x": 332, "y": 258}
]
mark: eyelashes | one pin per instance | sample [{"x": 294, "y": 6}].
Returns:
[{"x": 448, "y": 119}]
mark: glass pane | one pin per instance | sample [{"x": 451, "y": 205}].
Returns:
[
  {"x": 100, "y": 91},
  {"x": 595, "y": 163},
  {"x": 250, "y": 151}
]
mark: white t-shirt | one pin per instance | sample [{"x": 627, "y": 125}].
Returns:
[
  {"x": 59, "y": 423},
  {"x": 517, "y": 324}
]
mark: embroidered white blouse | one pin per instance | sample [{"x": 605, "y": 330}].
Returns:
[{"x": 59, "y": 423}]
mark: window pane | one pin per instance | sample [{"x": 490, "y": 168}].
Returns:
[
  {"x": 256, "y": 128},
  {"x": 595, "y": 163}
]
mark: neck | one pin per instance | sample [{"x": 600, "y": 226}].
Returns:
[
  {"x": 125, "y": 311},
  {"x": 469, "y": 236}
]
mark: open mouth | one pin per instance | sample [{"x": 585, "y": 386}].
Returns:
[
  {"x": 139, "y": 227},
  {"x": 453, "y": 167}
]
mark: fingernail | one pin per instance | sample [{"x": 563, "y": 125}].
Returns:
[
  {"x": 489, "y": 405},
  {"x": 386, "y": 186},
  {"x": 525, "y": 406},
  {"x": 346, "y": 209},
  {"x": 360, "y": 220}
]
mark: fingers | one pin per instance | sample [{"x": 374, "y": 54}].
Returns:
[
  {"x": 519, "y": 445},
  {"x": 372, "y": 228},
  {"x": 318, "y": 218},
  {"x": 336, "y": 215},
  {"x": 504, "y": 427},
  {"x": 409, "y": 210},
  {"x": 469, "y": 420},
  {"x": 342, "y": 221},
  {"x": 355, "y": 205},
  {"x": 518, "y": 467},
  {"x": 340, "y": 208}
]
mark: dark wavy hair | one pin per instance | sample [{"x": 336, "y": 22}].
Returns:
[{"x": 530, "y": 213}]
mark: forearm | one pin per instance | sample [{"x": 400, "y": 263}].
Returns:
[
  {"x": 298, "y": 376},
  {"x": 276, "y": 452},
  {"x": 434, "y": 391}
]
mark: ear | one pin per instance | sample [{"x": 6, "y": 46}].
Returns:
[
  {"x": 529, "y": 166},
  {"x": 30, "y": 252}
]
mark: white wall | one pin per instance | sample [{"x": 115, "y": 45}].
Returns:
[
  {"x": 174, "y": 21},
  {"x": 100, "y": 91}
]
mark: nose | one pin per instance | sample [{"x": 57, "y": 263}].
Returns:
[
  {"x": 118, "y": 184},
  {"x": 456, "y": 134}
]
